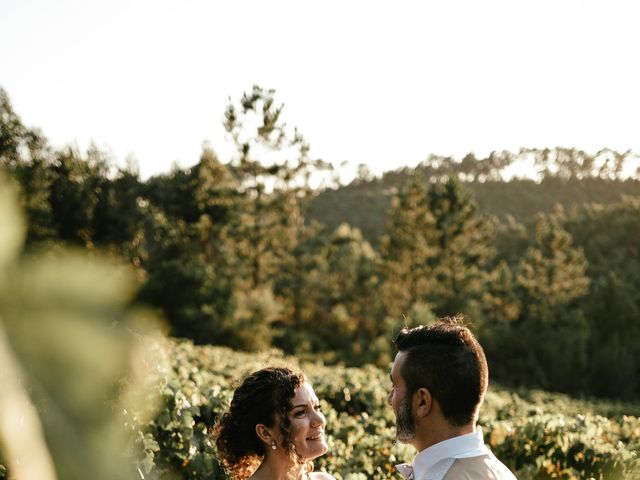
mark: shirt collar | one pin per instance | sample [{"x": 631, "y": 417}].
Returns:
[{"x": 463, "y": 446}]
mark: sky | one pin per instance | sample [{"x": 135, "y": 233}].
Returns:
[{"x": 367, "y": 82}]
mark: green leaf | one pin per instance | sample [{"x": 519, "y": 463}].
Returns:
[
  {"x": 66, "y": 318},
  {"x": 12, "y": 225}
]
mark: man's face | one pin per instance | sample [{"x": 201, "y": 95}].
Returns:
[{"x": 400, "y": 402}]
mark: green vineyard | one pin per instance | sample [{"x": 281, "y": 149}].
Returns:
[{"x": 537, "y": 434}]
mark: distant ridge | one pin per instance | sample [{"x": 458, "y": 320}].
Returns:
[{"x": 364, "y": 203}]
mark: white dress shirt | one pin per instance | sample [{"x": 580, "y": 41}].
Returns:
[{"x": 434, "y": 462}]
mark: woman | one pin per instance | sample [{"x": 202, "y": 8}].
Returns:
[{"x": 273, "y": 428}]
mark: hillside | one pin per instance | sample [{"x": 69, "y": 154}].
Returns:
[
  {"x": 364, "y": 204},
  {"x": 225, "y": 252}
]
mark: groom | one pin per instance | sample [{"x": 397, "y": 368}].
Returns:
[{"x": 439, "y": 378}]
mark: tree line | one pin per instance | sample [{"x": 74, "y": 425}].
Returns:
[
  {"x": 230, "y": 255},
  {"x": 364, "y": 203}
]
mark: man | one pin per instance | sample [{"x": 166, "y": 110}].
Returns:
[{"x": 439, "y": 378}]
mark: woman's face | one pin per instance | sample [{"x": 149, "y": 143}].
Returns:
[{"x": 307, "y": 423}]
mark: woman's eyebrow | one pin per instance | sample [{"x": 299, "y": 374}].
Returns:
[{"x": 300, "y": 405}]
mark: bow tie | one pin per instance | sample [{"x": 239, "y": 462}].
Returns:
[{"x": 405, "y": 470}]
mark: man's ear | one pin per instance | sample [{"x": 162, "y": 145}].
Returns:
[
  {"x": 263, "y": 433},
  {"x": 423, "y": 402}
]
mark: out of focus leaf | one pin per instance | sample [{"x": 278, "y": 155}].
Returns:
[
  {"x": 77, "y": 348},
  {"x": 12, "y": 225},
  {"x": 67, "y": 324},
  {"x": 20, "y": 429}
]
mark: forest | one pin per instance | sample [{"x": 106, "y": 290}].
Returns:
[{"x": 249, "y": 254}]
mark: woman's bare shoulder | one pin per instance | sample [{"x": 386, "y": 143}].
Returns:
[{"x": 321, "y": 476}]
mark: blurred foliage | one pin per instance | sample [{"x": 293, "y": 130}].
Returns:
[
  {"x": 246, "y": 254},
  {"x": 74, "y": 351}
]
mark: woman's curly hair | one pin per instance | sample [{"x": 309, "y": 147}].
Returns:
[{"x": 263, "y": 397}]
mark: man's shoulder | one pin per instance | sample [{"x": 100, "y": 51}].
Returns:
[
  {"x": 321, "y": 476},
  {"x": 480, "y": 467}
]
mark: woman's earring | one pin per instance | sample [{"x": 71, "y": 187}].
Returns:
[{"x": 273, "y": 444}]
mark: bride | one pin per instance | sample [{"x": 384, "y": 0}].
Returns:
[{"x": 273, "y": 428}]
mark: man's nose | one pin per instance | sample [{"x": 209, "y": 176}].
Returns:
[{"x": 389, "y": 399}]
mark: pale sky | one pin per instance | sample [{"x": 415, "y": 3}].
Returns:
[{"x": 380, "y": 83}]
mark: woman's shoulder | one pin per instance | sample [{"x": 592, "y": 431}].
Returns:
[{"x": 321, "y": 476}]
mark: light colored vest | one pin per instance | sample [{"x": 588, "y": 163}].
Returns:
[{"x": 475, "y": 468}]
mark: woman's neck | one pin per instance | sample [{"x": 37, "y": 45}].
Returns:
[{"x": 271, "y": 469}]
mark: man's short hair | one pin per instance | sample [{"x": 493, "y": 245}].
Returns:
[{"x": 447, "y": 359}]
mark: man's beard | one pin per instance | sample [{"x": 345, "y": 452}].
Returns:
[{"x": 405, "y": 423}]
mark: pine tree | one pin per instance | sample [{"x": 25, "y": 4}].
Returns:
[
  {"x": 188, "y": 256},
  {"x": 76, "y": 189},
  {"x": 464, "y": 244},
  {"x": 547, "y": 344},
  {"x": 609, "y": 236},
  {"x": 26, "y": 156},
  {"x": 552, "y": 270},
  {"x": 273, "y": 168},
  {"x": 436, "y": 250},
  {"x": 408, "y": 248},
  {"x": 354, "y": 324}
]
